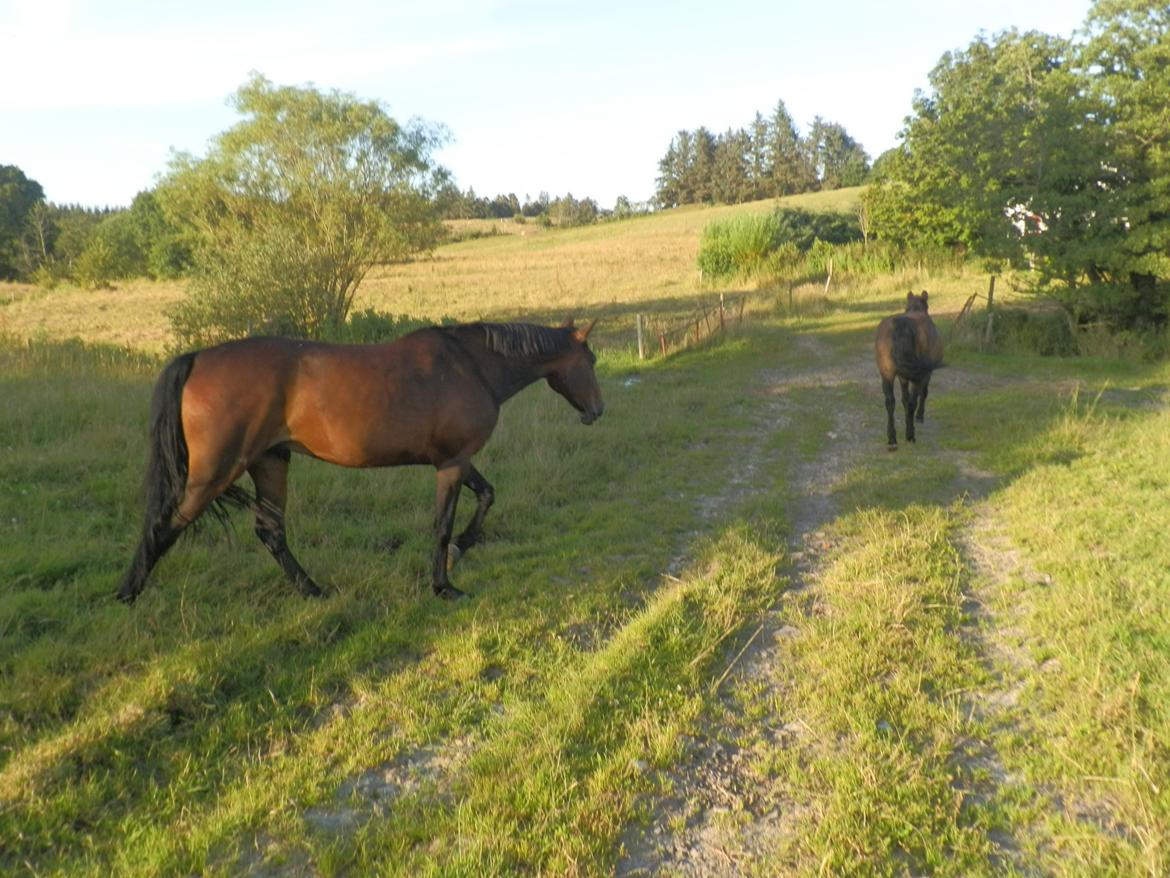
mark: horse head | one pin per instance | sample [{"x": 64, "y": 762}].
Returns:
[
  {"x": 916, "y": 303},
  {"x": 572, "y": 375}
]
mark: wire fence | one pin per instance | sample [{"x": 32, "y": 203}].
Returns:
[{"x": 710, "y": 318}]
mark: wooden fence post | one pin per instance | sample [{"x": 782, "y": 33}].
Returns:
[
  {"x": 641, "y": 348},
  {"x": 662, "y": 342},
  {"x": 721, "y": 312},
  {"x": 987, "y": 334}
]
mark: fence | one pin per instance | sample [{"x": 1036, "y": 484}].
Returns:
[
  {"x": 707, "y": 320},
  {"x": 988, "y": 337}
]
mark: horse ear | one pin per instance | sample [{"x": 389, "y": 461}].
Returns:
[
  {"x": 568, "y": 324},
  {"x": 583, "y": 334},
  {"x": 910, "y": 297},
  {"x": 925, "y": 296}
]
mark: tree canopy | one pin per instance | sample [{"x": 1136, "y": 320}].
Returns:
[
  {"x": 293, "y": 205},
  {"x": 1035, "y": 150},
  {"x": 766, "y": 160}
]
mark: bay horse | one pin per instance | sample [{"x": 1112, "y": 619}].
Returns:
[
  {"x": 431, "y": 397},
  {"x": 909, "y": 348}
]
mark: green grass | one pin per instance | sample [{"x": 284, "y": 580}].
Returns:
[
  {"x": 226, "y": 726},
  {"x": 171, "y": 737}
]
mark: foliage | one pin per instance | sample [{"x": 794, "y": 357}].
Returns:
[
  {"x": 747, "y": 244},
  {"x": 1036, "y": 151},
  {"x": 768, "y": 160},
  {"x": 370, "y": 326},
  {"x": 18, "y": 196},
  {"x": 293, "y": 206}
]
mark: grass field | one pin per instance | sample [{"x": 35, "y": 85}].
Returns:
[{"x": 722, "y": 631}]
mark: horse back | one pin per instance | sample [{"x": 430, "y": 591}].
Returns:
[
  {"x": 908, "y": 345},
  {"x": 408, "y": 401}
]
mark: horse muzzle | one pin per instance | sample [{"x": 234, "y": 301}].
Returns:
[{"x": 590, "y": 415}]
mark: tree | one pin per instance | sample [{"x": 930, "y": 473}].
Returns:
[
  {"x": 760, "y": 158},
  {"x": 998, "y": 132},
  {"x": 1126, "y": 61},
  {"x": 837, "y": 159},
  {"x": 792, "y": 171},
  {"x": 674, "y": 172},
  {"x": 18, "y": 195},
  {"x": 293, "y": 205},
  {"x": 731, "y": 183},
  {"x": 701, "y": 175}
]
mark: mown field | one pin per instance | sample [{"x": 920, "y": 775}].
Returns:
[{"x": 721, "y": 631}]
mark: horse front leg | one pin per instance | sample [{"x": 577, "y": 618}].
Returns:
[
  {"x": 448, "y": 481},
  {"x": 891, "y": 435},
  {"x": 485, "y": 495}
]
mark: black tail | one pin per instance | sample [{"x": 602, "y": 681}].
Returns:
[
  {"x": 166, "y": 475},
  {"x": 906, "y": 359},
  {"x": 166, "y": 471}
]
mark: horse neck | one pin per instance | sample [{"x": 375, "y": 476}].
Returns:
[{"x": 508, "y": 375}]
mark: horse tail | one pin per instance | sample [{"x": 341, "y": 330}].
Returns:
[
  {"x": 908, "y": 362},
  {"x": 166, "y": 469}
]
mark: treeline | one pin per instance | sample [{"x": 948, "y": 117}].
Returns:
[
  {"x": 564, "y": 210},
  {"x": 49, "y": 243},
  {"x": 768, "y": 159}
]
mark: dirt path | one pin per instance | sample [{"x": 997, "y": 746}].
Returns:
[{"x": 716, "y": 817}]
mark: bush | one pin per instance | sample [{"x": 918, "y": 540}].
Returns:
[
  {"x": 739, "y": 245},
  {"x": 1022, "y": 330},
  {"x": 774, "y": 243},
  {"x": 371, "y": 326}
]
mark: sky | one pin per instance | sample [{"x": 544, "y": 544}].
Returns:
[{"x": 579, "y": 97}]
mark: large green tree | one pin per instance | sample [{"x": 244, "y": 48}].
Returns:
[
  {"x": 1126, "y": 63},
  {"x": 18, "y": 196},
  {"x": 293, "y": 205},
  {"x": 987, "y": 143},
  {"x": 1048, "y": 152}
]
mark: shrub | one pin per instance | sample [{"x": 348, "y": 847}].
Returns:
[
  {"x": 371, "y": 326},
  {"x": 774, "y": 243}
]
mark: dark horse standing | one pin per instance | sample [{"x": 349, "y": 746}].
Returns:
[
  {"x": 431, "y": 397},
  {"x": 910, "y": 349}
]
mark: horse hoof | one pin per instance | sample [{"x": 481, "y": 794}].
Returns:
[
  {"x": 451, "y": 593},
  {"x": 892, "y": 447}
]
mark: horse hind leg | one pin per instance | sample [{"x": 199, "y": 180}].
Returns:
[
  {"x": 269, "y": 474},
  {"x": 157, "y": 538},
  {"x": 909, "y": 402},
  {"x": 920, "y": 415},
  {"x": 891, "y": 434},
  {"x": 161, "y": 530},
  {"x": 485, "y": 495}
]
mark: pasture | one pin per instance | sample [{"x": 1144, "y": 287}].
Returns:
[{"x": 722, "y": 631}]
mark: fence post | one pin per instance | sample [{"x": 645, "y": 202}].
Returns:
[
  {"x": 990, "y": 315},
  {"x": 662, "y": 342},
  {"x": 721, "y": 312},
  {"x": 641, "y": 348}
]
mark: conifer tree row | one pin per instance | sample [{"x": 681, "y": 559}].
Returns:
[{"x": 767, "y": 159}]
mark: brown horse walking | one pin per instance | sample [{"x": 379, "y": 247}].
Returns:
[
  {"x": 909, "y": 348},
  {"x": 431, "y": 397}
]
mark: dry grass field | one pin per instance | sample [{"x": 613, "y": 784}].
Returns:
[{"x": 646, "y": 263}]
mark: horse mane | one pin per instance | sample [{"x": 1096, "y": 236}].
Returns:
[{"x": 525, "y": 341}]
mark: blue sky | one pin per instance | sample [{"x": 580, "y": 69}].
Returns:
[{"x": 579, "y": 97}]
